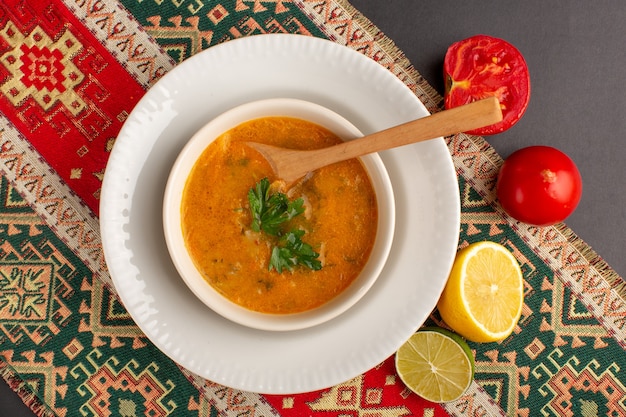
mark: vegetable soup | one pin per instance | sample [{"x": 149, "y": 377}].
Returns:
[{"x": 339, "y": 219}]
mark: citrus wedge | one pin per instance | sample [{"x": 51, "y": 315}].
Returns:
[
  {"x": 483, "y": 298},
  {"x": 436, "y": 364}
]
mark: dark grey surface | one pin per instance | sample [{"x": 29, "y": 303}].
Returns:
[
  {"x": 577, "y": 60},
  {"x": 10, "y": 403}
]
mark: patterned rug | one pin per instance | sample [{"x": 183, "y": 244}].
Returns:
[{"x": 70, "y": 73}]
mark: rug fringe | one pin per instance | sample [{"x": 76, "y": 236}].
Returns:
[
  {"x": 616, "y": 282},
  {"x": 431, "y": 97},
  {"x": 21, "y": 388}
]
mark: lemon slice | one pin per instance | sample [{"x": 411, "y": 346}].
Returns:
[
  {"x": 436, "y": 364},
  {"x": 483, "y": 298}
]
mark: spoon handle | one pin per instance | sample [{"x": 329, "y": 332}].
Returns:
[
  {"x": 291, "y": 164},
  {"x": 471, "y": 116}
]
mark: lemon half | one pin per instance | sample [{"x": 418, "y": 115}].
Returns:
[{"x": 483, "y": 298}]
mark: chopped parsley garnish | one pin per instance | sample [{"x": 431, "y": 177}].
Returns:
[{"x": 271, "y": 213}]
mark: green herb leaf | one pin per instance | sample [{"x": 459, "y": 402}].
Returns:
[
  {"x": 293, "y": 251},
  {"x": 295, "y": 208},
  {"x": 257, "y": 198},
  {"x": 270, "y": 213},
  {"x": 281, "y": 259}
]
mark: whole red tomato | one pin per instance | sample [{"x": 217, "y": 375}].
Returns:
[
  {"x": 539, "y": 185},
  {"x": 483, "y": 66}
]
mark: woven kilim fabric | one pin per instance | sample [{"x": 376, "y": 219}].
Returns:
[{"x": 70, "y": 73}]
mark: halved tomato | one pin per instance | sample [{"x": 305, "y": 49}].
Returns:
[{"x": 483, "y": 66}]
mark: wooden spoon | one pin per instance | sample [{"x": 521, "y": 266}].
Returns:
[{"x": 292, "y": 164}]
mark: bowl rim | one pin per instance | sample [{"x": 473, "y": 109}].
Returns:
[{"x": 287, "y": 107}]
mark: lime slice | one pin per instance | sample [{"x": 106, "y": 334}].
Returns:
[{"x": 436, "y": 364}]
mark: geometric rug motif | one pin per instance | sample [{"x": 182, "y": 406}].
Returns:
[
  {"x": 193, "y": 26},
  {"x": 379, "y": 392},
  {"x": 59, "y": 90},
  {"x": 36, "y": 279},
  {"x": 75, "y": 358},
  {"x": 502, "y": 370},
  {"x": 64, "y": 332},
  {"x": 554, "y": 325}
]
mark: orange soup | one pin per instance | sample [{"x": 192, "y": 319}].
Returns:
[{"x": 339, "y": 219}]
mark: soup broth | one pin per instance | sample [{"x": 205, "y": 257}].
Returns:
[{"x": 339, "y": 220}]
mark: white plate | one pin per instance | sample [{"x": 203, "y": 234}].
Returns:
[{"x": 220, "y": 78}]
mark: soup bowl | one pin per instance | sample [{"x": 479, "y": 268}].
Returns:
[{"x": 182, "y": 260}]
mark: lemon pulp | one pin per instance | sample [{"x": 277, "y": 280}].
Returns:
[{"x": 484, "y": 295}]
